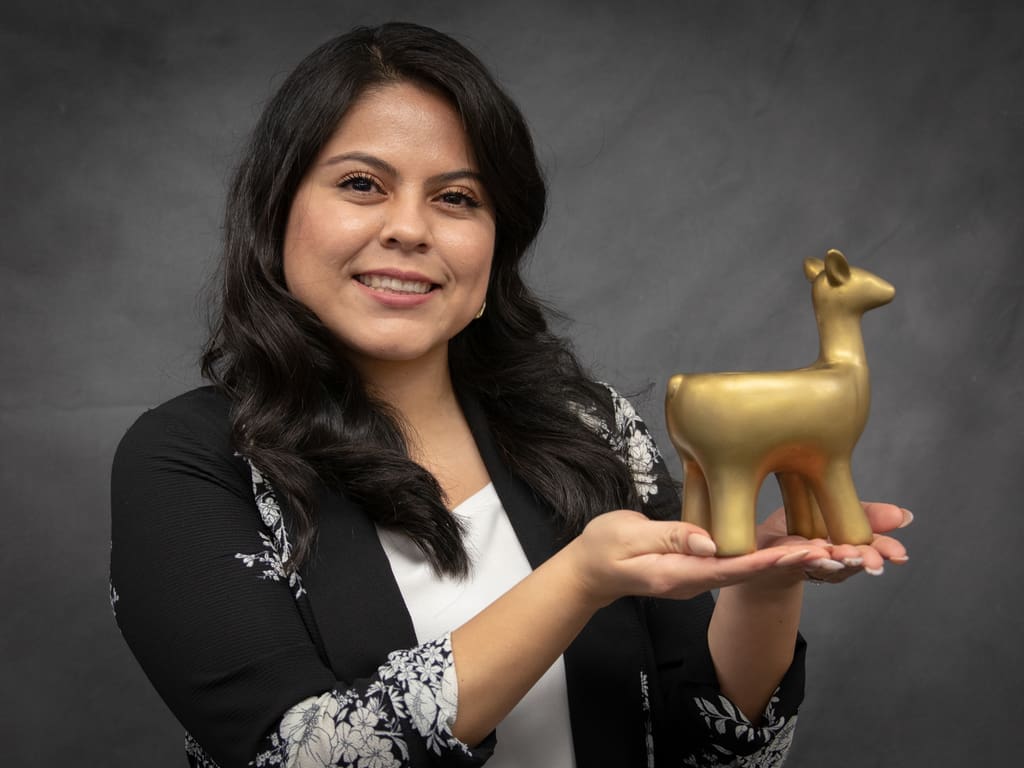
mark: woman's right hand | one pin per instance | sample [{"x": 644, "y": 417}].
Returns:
[
  {"x": 626, "y": 553},
  {"x": 502, "y": 651}
]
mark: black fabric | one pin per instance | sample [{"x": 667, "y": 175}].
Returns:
[
  {"x": 230, "y": 653},
  {"x": 599, "y": 666},
  {"x": 348, "y": 580},
  {"x": 227, "y": 652}
]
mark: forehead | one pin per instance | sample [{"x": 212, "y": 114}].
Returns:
[{"x": 403, "y": 120}]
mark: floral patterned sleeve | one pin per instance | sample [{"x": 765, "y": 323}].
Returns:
[
  {"x": 219, "y": 627},
  {"x": 416, "y": 691},
  {"x": 700, "y": 726}
]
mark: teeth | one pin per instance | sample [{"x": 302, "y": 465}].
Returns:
[{"x": 393, "y": 284}]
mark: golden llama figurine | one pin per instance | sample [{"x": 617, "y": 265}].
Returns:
[{"x": 732, "y": 429}]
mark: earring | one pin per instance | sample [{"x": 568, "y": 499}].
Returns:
[{"x": 480, "y": 314}]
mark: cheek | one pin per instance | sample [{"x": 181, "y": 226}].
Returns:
[
  {"x": 475, "y": 251},
  {"x": 319, "y": 241}
]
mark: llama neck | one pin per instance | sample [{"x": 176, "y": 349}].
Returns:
[{"x": 841, "y": 340}]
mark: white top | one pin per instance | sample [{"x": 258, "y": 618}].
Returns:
[{"x": 537, "y": 731}]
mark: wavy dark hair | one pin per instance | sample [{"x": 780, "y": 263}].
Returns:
[{"x": 300, "y": 411}]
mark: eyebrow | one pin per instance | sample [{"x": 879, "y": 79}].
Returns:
[{"x": 387, "y": 168}]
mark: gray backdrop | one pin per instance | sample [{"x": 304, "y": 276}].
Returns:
[{"x": 697, "y": 152}]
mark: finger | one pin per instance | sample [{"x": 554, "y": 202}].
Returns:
[
  {"x": 681, "y": 538},
  {"x": 881, "y": 549},
  {"x": 633, "y": 534},
  {"x": 789, "y": 558},
  {"x": 680, "y": 576},
  {"x": 887, "y": 517},
  {"x": 890, "y": 548},
  {"x": 848, "y": 554}
]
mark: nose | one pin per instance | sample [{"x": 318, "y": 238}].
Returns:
[{"x": 405, "y": 225}]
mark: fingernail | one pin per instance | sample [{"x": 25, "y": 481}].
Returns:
[
  {"x": 875, "y": 571},
  {"x": 824, "y": 564},
  {"x": 792, "y": 557},
  {"x": 908, "y": 517},
  {"x": 853, "y": 562},
  {"x": 699, "y": 544},
  {"x": 899, "y": 559}
]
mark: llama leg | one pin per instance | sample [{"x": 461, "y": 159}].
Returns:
[
  {"x": 844, "y": 516},
  {"x": 803, "y": 518},
  {"x": 696, "y": 505},
  {"x": 733, "y": 495}
]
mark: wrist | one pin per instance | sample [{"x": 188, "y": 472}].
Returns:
[
  {"x": 582, "y": 585},
  {"x": 772, "y": 588}
]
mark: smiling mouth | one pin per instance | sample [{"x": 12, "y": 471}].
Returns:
[{"x": 394, "y": 285}]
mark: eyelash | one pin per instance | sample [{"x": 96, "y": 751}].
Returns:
[
  {"x": 346, "y": 183},
  {"x": 465, "y": 197}
]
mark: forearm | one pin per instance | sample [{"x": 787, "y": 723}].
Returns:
[
  {"x": 751, "y": 637},
  {"x": 502, "y": 651}
]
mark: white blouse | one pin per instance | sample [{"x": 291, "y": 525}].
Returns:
[{"x": 537, "y": 731}]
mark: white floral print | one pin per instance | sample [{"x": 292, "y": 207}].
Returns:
[
  {"x": 415, "y": 693},
  {"x": 770, "y": 741},
  {"x": 629, "y": 439},
  {"x": 645, "y": 694},
  {"x": 364, "y": 730},
  {"x": 276, "y": 547},
  {"x": 197, "y": 758}
]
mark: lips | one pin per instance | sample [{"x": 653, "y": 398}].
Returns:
[{"x": 392, "y": 284}]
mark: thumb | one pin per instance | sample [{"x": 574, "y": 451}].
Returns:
[
  {"x": 699, "y": 543},
  {"x": 887, "y": 517},
  {"x": 689, "y": 539}
]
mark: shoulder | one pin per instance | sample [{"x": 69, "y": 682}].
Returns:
[
  {"x": 617, "y": 421},
  {"x": 192, "y": 428},
  {"x": 610, "y": 414},
  {"x": 204, "y": 411}
]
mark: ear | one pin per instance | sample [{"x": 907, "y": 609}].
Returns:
[
  {"x": 812, "y": 268},
  {"x": 836, "y": 268}
]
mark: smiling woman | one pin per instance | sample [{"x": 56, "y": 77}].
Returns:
[
  {"x": 402, "y": 527},
  {"x": 390, "y": 240}
]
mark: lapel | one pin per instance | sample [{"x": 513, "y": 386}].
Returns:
[
  {"x": 352, "y": 592},
  {"x": 602, "y": 665},
  {"x": 361, "y": 616}
]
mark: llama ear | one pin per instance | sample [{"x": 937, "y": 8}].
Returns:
[
  {"x": 836, "y": 268},
  {"x": 813, "y": 268}
]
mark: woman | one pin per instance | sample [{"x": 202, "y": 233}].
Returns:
[{"x": 397, "y": 529}]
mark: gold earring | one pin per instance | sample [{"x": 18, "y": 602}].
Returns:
[{"x": 480, "y": 314}]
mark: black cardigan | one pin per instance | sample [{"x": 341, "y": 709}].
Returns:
[{"x": 640, "y": 680}]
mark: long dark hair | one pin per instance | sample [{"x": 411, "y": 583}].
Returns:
[{"x": 300, "y": 411}]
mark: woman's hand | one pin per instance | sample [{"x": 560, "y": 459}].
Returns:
[
  {"x": 624, "y": 553},
  {"x": 843, "y": 560}
]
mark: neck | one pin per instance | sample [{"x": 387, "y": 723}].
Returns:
[
  {"x": 420, "y": 391},
  {"x": 841, "y": 340}
]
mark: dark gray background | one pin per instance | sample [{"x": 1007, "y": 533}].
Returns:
[{"x": 697, "y": 152}]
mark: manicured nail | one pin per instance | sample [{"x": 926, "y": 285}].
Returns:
[
  {"x": 824, "y": 564},
  {"x": 875, "y": 571},
  {"x": 908, "y": 518},
  {"x": 792, "y": 558},
  {"x": 853, "y": 562},
  {"x": 899, "y": 559},
  {"x": 699, "y": 544}
]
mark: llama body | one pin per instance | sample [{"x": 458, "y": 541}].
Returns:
[{"x": 732, "y": 429}]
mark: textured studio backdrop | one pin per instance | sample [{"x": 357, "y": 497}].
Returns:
[{"x": 697, "y": 152}]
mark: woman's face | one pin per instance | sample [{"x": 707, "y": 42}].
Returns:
[{"x": 390, "y": 236}]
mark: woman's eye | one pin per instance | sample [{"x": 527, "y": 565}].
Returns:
[
  {"x": 358, "y": 183},
  {"x": 459, "y": 199}
]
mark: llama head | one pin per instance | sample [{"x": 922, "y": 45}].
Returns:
[{"x": 837, "y": 285}]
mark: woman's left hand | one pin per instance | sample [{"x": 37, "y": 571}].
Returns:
[{"x": 845, "y": 560}]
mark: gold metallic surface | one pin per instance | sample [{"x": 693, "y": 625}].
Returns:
[{"x": 732, "y": 429}]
